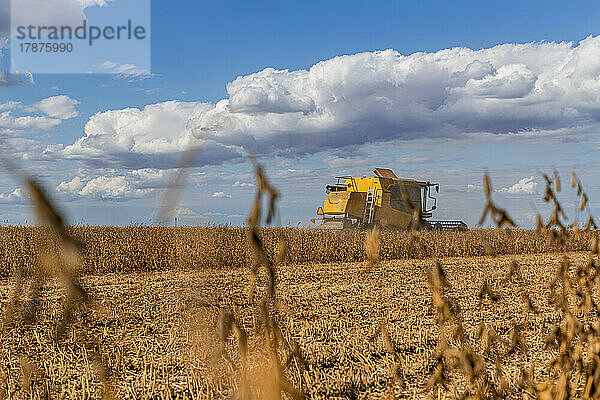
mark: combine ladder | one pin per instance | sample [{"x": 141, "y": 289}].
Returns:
[{"x": 369, "y": 206}]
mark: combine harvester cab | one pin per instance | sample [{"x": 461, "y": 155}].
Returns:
[{"x": 380, "y": 200}]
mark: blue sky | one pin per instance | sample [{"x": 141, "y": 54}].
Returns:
[{"x": 445, "y": 116}]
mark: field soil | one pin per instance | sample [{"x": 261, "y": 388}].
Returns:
[{"x": 156, "y": 332}]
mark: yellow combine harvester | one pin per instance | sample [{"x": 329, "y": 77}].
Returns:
[{"x": 384, "y": 200}]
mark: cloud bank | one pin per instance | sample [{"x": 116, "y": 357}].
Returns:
[{"x": 362, "y": 98}]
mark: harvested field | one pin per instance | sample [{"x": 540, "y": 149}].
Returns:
[{"x": 156, "y": 331}]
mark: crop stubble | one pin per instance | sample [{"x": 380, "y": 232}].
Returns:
[{"x": 157, "y": 335}]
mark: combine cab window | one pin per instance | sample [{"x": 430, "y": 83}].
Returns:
[
  {"x": 397, "y": 200},
  {"x": 335, "y": 188}
]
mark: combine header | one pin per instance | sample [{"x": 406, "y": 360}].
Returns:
[{"x": 380, "y": 200}]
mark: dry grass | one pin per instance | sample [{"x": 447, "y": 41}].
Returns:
[
  {"x": 128, "y": 249},
  {"x": 155, "y": 327}
]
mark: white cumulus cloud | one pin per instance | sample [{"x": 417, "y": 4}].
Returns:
[
  {"x": 50, "y": 12},
  {"x": 221, "y": 195},
  {"x": 184, "y": 212},
  {"x": 474, "y": 188},
  {"x": 363, "y": 98},
  {"x": 61, "y": 107},
  {"x": 128, "y": 72},
  {"x": 44, "y": 114},
  {"x": 242, "y": 184},
  {"x": 15, "y": 196},
  {"x": 132, "y": 137},
  {"x": 136, "y": 183},
  {"x": 10, "y": 105},
  {"x": 8, "y": 120},
  {"x": 524, "y": 186},
  {"x": 91, "y": 3}
]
